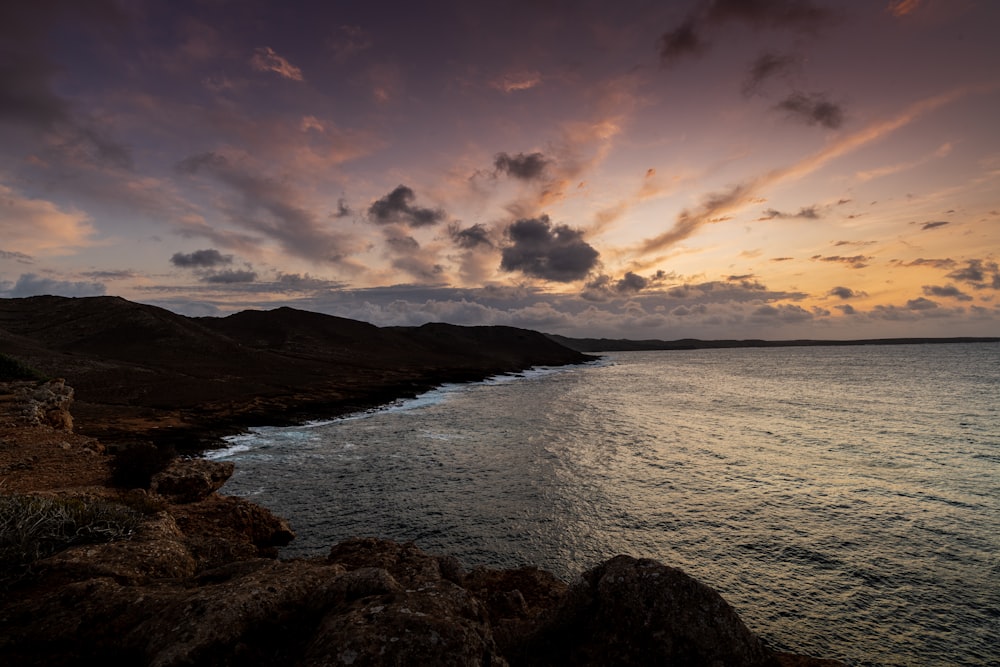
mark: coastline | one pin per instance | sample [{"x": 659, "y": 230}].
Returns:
[{"x": 195, "y": 579}]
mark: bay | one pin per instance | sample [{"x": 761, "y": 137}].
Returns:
[{"x": 846, "y": 500}]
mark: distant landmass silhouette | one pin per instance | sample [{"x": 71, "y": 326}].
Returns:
[
  {"x": 140, "y": 371},
  {"x": 628, "y": 345}
]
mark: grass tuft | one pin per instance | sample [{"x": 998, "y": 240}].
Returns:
[{"x": 35, "y": 527}]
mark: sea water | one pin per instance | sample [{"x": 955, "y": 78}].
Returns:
[{"x": 845, "y": 500}]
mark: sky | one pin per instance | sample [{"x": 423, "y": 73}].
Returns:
[{"x": 682, "y": 168}]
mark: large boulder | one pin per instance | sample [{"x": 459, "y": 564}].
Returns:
[{"x": 630, "y": 611}]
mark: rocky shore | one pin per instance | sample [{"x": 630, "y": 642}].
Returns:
[{"x": 195, "y": 580}]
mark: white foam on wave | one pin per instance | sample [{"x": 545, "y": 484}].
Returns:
[{"x": 257, "y": 438}]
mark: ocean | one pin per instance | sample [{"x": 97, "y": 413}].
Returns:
[{"x": 845, "y": 500}]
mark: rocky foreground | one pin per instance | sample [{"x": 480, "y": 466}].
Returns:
[{"x": 196, "y": 581}]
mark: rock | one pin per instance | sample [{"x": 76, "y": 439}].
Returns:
[
  {"x": 630, "y": 611},
  {"x": 158, "y": 551},
  {"x": 46, "y": 404},
  {"x": 190, "y": 480},
  {"x": 224, "y": 529}
]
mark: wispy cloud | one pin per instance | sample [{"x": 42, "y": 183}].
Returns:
[
  {"x": 512, "y": 82},
  {"x": 266, "y": 60}
]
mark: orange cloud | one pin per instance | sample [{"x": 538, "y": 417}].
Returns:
[
  {"x": 36, "y": 226},
  {"x": 902, "y": 7},
  {"x": 743, "y": 194}
]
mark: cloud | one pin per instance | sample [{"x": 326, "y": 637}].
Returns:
[
  {"x": 688, "y": 222},
  {"x": 846, "y": 293},
  {"x": 631, "y": 282},
  {"x": 934, "y": 263},
  {"x": 524, "y": 167},
  {"x": 920, "y": 303},
  {"x": 946, "y": 291},
  {"x": 266, "y": 60},
  {"x": 847, "y": 309},
  {"x": 900, "y": 8},
  {"x": 396, "y": 207},
  {"x": 717, "y": 204},
  {"x": 271, "y": 208},
  {"x": 806, "y": 213},
  {"x": 230, "y": 277},
  {"x": 542, "y": 250},
  {"x": 16, "y": 256},
  {"x": 978, "y": 273},
  {"x": 855, "y": 262},
  {"x": 813, "y": 108},
  {"x": 350, "y": 41},
  {"x": 471, "y": 237},
  {"x": 514, "y": 81},
  {"x": 200, "y": 259},
  {"x": 37, "y": 226},
  {"x": 124, "y": 274},
  {"x": 932, "y": 225},
  {"x": 784, "y": 313},
  {"x": 343, "y": 210},
  {"x": 766, "y": 66},
  {"x": 30, "y": 284},
  {"x": 688, "y": 39},
  {"x": 683, "y": 40}
]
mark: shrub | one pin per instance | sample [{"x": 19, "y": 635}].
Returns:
[
  {"x": 13, "y": 369},
  {"x": 133, "y": 467},
  {"x": 34, "y": 527}
]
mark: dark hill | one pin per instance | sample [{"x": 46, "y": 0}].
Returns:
[{"x": 142, "y": 371}]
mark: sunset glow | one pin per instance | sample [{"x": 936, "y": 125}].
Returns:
[{"x": 699, "y": 168}]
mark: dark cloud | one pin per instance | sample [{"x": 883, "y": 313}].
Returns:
[
  {"x": 846, "y": 309},
  {"x": 16, "y": 256},
  {"x": 543, "y": 250},
  {"x": 230, "y": 277},
  {"x": 946, "y": 291},
  {"x": 111, "y": 275},
  {"x": 343, "y": 210},
  {"x": 782, "y": 259},
  {"x": 631, "y": 282},
  {"x": 30, "y": 284},
  {"x": 200, "y": 259},
  {"x": 813, "y": 108},
  {"x": 978, "y": 273},
  {"x": 688, "y": 37},
  {"x": 470, "y": 237},
  {"x": 855, "y": 262},
  {"x": 785, "y": 313},
  {"x": 271, "y": 208},
  {"x": 528, "y": 167},
  {"x": 920, "y": 303},
  {"x": 932, "y": 225},
  {"x": 845, "y": 293},
  {"x": 766, "y": 66},
  {"x": 806, "y": 213},
  {"x": 683, "y": 40},
  {"x": 396, "y": 207}
]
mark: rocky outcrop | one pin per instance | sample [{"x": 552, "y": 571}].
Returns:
[
  {"x": 190, "y": 480},
  {"x": 44, "y": 404},
  {"x": 370, "y": 602}
]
